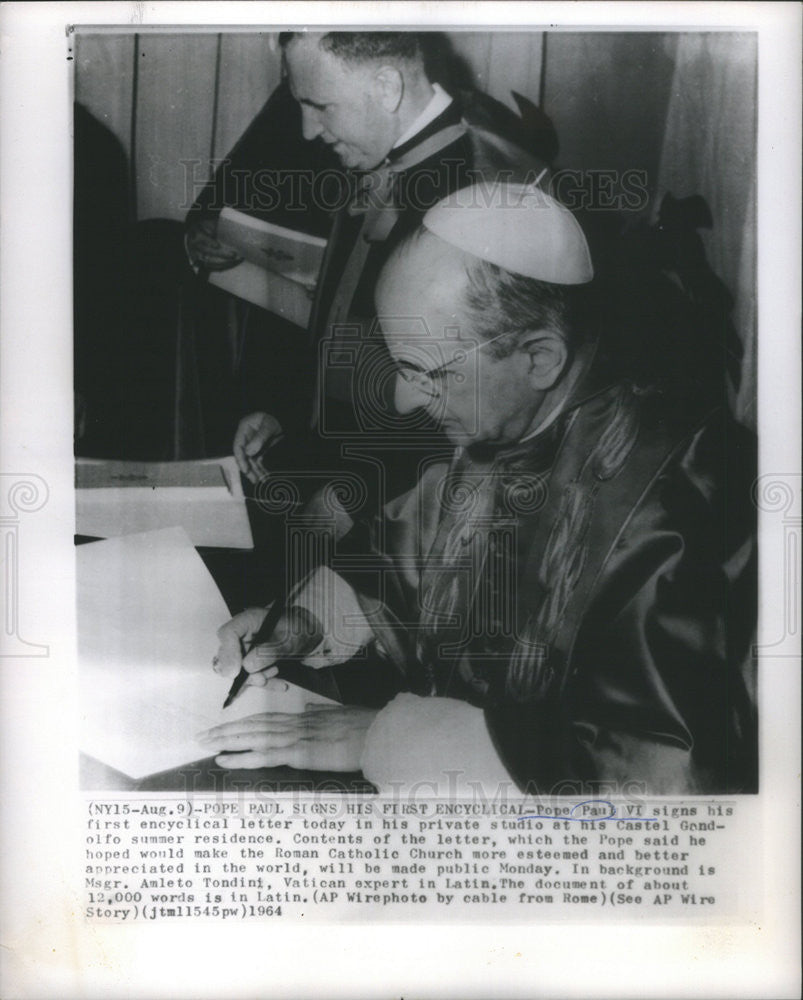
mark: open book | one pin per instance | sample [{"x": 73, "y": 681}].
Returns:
[
  {"x": 148, "y": 611},
  {"x": 280, "y": 266}
]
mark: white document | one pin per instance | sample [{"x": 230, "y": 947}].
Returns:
[
  {"x": 274, "y": 292},
  {"x": 289, "y": 252},
  {"x": 280, "y": 266},
  {"x": 212, "y": 512},
  {"x": 148, "y": 611}
]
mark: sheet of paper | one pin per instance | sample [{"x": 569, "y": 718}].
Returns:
[
  {"x": 277, "y": 294},
  {"x": 105, "y": 473},
  {"x": 148, "y": 611},
  {"x": 213, "y": 516},
  {"x": 294, "y": 254}
]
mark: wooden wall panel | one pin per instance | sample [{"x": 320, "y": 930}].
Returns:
[
  {"x": 175, "y": 102},
  {"x": 502, "y": 61},
  {"x": 515, "y": 64},
  {"x": 250, "y": 69},
  {"x": 607, "y": 95},
  {"x": 475, "y": 50},
  {"x": 104, "y": 80}
]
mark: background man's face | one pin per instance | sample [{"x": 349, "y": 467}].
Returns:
[
  {"x": 479, "y": 398},
  {"x": 338, "y": 104}
]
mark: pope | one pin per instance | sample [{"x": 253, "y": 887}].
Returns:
[{"x": 567, "y": 603}]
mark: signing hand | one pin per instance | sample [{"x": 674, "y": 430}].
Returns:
[
  {"x": 322, "y": 738},
  {"x": 254, "y": 434},
  {"x": 297, "y": 633},
  {"x": 203, "y": 247}
]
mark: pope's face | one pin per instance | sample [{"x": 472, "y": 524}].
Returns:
[
  {"x": 476, "y": 398},
  {"x": 340, "y": 104}
]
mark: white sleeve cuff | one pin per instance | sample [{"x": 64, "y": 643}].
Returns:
[
  {"x": 433, "y": 747},
  {"x": 190, "y": 261},
  {"x": 336, "y": 607}
]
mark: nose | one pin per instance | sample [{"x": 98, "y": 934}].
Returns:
[
  {"x": 408, "y": 397},
  {"x": 311, "y": 127}
]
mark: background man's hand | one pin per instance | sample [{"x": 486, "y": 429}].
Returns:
[
  {"x": 323, "y": 738},
  {"x": 255, "y": 433},
  {"x": 296, "y": 634},
  {"x": 205, "y": 250}
]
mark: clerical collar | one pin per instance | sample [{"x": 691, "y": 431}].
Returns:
[{"x": 438, "y": 103}]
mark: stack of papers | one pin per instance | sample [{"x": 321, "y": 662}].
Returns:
[
  {"x": 204, "y": 497},
  {"x": 293, "y": 254},
  {"x": 279, "y": 295},
  {"x": 280, "y": 266}
]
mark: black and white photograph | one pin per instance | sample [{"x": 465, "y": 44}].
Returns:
[
  {"x": 426, "y": 517},
  {"x": 447, "y": 366}
]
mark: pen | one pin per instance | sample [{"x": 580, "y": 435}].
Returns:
[
  {"x": 264, "y": 633},
  {"x": 257, "y": 463}
]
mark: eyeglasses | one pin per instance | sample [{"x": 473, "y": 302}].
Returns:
[{"x": 430, "y": 381}]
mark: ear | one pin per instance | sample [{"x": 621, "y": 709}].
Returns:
[
  {"x": 549, "y": 357},
  {"x": 388, "y": 88}
]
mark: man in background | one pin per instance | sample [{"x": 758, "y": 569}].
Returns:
[{"x": 366, "y": 99}]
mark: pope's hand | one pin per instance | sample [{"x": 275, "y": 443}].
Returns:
[
  {"x": 205, "y": 250},
  {"x": 254, "y": 434},
  {"x": 297, "y": 633},
  {"x": 322, "y": 738}
]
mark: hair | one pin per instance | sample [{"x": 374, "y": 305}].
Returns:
[
  {"x": 502, "y": 301},
  {"x": 366, "y": 46}
]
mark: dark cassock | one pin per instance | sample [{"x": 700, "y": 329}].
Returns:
[
  {"x": 273, "y": 175},
  {"x": 590, "y": 589},
  {"x": 454, "y": 142},
  {"x": 450, "y": 153}
]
